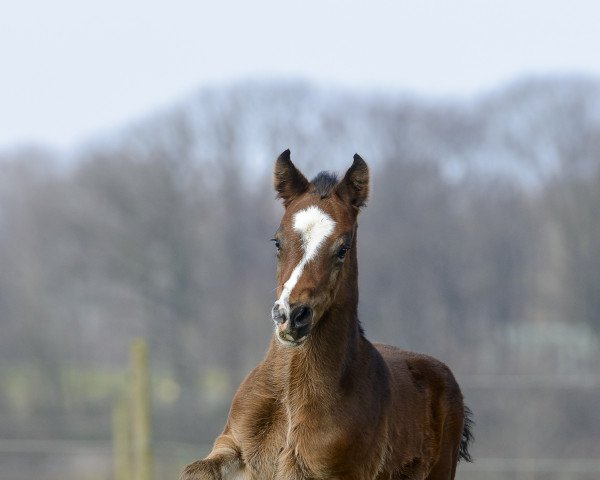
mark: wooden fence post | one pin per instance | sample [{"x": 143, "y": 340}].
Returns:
[
  {"x": 121, "y": 440},
  {"x": 132, "y": 430}
]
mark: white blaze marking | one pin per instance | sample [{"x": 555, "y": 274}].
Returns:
[{"x": 314, "y": 226}]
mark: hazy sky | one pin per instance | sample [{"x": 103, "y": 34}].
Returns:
[{"x": 70, "y": 69}]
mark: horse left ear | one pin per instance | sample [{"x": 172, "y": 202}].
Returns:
[{"x": 355, "y": 185}]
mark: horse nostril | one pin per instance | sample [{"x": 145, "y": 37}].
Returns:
[
  {"x": 277, "y": 315},
  {"x": 301, "y": 316}
]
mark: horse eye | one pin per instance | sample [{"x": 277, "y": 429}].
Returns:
[
  {"x": 342, "y": 252},
  {"x": 277, "y": 244}
]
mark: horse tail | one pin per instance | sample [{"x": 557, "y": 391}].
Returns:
[{"x": 467, "y": 436}]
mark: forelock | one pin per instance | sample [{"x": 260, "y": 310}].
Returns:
[{"x": 324, "y": 184}]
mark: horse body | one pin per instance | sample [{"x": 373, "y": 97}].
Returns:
[{"x": 326, "y": 403}]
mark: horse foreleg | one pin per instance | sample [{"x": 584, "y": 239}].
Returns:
[
  {"x": 223, "y": 463},
  {"x": 445, "y": 468}
]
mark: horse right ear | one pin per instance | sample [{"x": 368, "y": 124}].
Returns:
[{"x": 287, "y": 179}]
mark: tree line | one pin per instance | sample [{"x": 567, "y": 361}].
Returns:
[{"x": 483, "y": 222}]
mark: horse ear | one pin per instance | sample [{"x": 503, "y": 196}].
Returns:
[
  {"x": 355, "y": 185},
  {"x": 287, "y": 179}
]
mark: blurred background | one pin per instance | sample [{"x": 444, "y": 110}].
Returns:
[{"x": 136, "y": 147}]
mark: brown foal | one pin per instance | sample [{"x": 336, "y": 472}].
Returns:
[{"x": 326, "y": 403}]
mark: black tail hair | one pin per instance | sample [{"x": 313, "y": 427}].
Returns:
[{"x": 467, "y": 436}]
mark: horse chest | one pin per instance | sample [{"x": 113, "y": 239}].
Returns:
[{"x": 298, "y": 443}]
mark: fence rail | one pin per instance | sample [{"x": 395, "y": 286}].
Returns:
[
  {"x": 99, "y": 447},
  {"x": 534, "y": 465},
  {"x": 530, "y": 381},
  {"x": 186, "y": 450}
]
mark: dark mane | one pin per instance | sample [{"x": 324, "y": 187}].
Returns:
[
  {"x": 324, "y": 183},
  {"x": 467, "y": 436}
]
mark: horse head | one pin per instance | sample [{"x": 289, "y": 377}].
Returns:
[{"x": 316, "y": 245}]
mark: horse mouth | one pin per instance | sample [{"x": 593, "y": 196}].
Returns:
[
  {"x": 288, "y": 340},
  {"x": 291, "y": 335}
]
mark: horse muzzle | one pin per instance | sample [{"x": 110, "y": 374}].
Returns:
[{"x": 293, "y": 328}]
